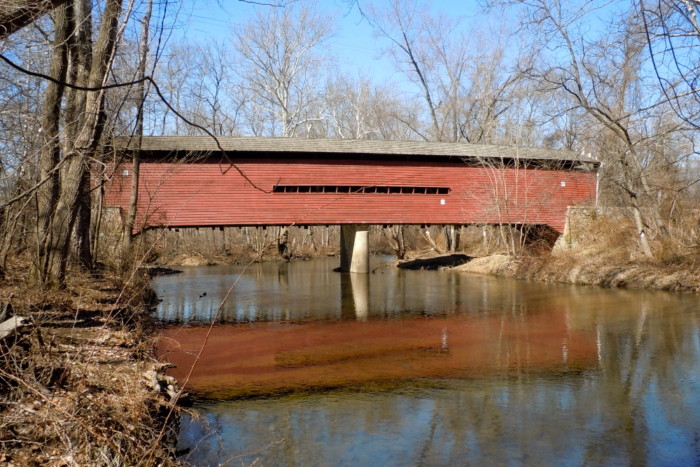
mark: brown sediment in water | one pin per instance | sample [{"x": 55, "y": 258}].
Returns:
[{"x": 269, "y": 358}]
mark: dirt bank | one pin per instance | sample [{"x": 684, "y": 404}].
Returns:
[
  {"x": 582, "y": 267},
  {"x": 601, "y": 271},
  {"x": 78, "y": 382}
]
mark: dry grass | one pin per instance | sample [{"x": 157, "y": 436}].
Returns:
[
  {"x": 72, "y": 384},
  {"x": 604, "y": 253}
]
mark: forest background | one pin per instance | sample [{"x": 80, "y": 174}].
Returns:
[
  {"x": 618, "y": 80},
  {"x": 614, "y": 79}
]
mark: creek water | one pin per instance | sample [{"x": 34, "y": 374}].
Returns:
[{"x": 306, "y": 366}]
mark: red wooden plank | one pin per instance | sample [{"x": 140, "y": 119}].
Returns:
[{"x": 206, "y": 194}]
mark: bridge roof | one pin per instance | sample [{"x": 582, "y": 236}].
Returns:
[{"x": 371, "y": 149}]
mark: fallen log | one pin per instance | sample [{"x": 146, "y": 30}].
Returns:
[{"x": 9, "y": 327}]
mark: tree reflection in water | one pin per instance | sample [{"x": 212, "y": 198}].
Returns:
[{"x": 533, "y": 374}]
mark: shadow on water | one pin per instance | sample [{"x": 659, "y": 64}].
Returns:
[
  {"x": 436, "y": 263},
  {"x": 436, "y": 368}
]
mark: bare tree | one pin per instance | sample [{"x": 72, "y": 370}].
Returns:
[
  {"x": 673, "y": 37},
  {"x": 15, "y": 14},
  {"x": 84, "y": 120},
  {"x": 138, "y": 130},
  {"x": 360, "y": 109},
  {"x": 400, "y": 23},
  {"x": 280, "y": 59},
  {"x": 462, "y": 76},
  {"x": 602, "y": 77}
]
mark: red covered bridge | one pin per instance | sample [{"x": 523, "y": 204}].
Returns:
[{"x": 199, "y": 181}]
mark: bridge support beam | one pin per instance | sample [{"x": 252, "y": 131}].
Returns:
[{"x": 354, "y": 248}]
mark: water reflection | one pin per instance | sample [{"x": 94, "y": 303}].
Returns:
[
  {"x": 441, "y": 369},
  {"x": 278, "y": 357},
  {"x": 354, "y": 296},
  {"x": 311, "y": 290},
  {"x": 574, "y": 420}
]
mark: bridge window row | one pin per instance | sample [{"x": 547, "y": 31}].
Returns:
[{"x": 421, "y": 190}]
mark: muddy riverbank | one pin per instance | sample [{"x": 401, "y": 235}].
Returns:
[{"x": 562, "y": 267}]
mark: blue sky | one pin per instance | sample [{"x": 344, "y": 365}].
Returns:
[{"x": 354, "y": 45}]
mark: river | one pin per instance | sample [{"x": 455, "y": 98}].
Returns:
[{"x": 306, "y": 366}]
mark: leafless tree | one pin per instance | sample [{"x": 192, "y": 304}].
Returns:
[
  {"x": 673, "y": 37},
  {"x": 602, "y": 77},
  {"x": 281, "y": 57},
  {"x": 463, "y": 78},
  {"x": 15, "y": 14},
  {"x": 72, "y": 125},
  {"x": 400, "y": 23},
  {"x": 130, "y": 219},
  {"x": 47, "y": 194},
  {"x": 360, "y": 109}
]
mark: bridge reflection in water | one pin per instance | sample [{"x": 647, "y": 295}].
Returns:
[
  {"x": 444, "y": 369},
  {"x": 354, "y": 297},
  {"x": 371, "y": 338}
]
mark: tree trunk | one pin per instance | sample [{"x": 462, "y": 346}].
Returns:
[
  {"x": 83, "y": 227},
  {"x": 136, "y": 157},
  {"x": 47, "y": 194},
  {"x": 82, "y": 147},
  {"x": 641, "y": 228},
  {"x": 397, "y": 240},
  {"x": 16, "y": 14}
]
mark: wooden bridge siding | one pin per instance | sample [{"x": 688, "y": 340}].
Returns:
[{"x": 201, "y": 195}]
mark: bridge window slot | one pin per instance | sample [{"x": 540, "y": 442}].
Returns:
[{"x": 354, "y": 189}]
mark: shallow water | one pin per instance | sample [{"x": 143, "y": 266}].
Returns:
[{"x": 312, "y": 367}]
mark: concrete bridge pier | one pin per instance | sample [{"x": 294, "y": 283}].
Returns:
[{"x": 354, "y": 248}]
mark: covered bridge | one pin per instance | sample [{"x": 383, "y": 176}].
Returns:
[{"x": 201, "y": 181}]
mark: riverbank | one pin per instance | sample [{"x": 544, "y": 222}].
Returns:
[
  {"x": 559, "y": 266},
  {"x": 569, "y": 268},
  {"x": 596, "y": 271},
  {"x": 79, "y": 383}
]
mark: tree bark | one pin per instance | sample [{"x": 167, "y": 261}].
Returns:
[
  {"x": 16, "y": 14},
  {"x": 82, "y": 147},
  {"x": 47, "y": 194},
  {"x": 138, "y": 133},
  {"x": 83, "y": 227}
]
